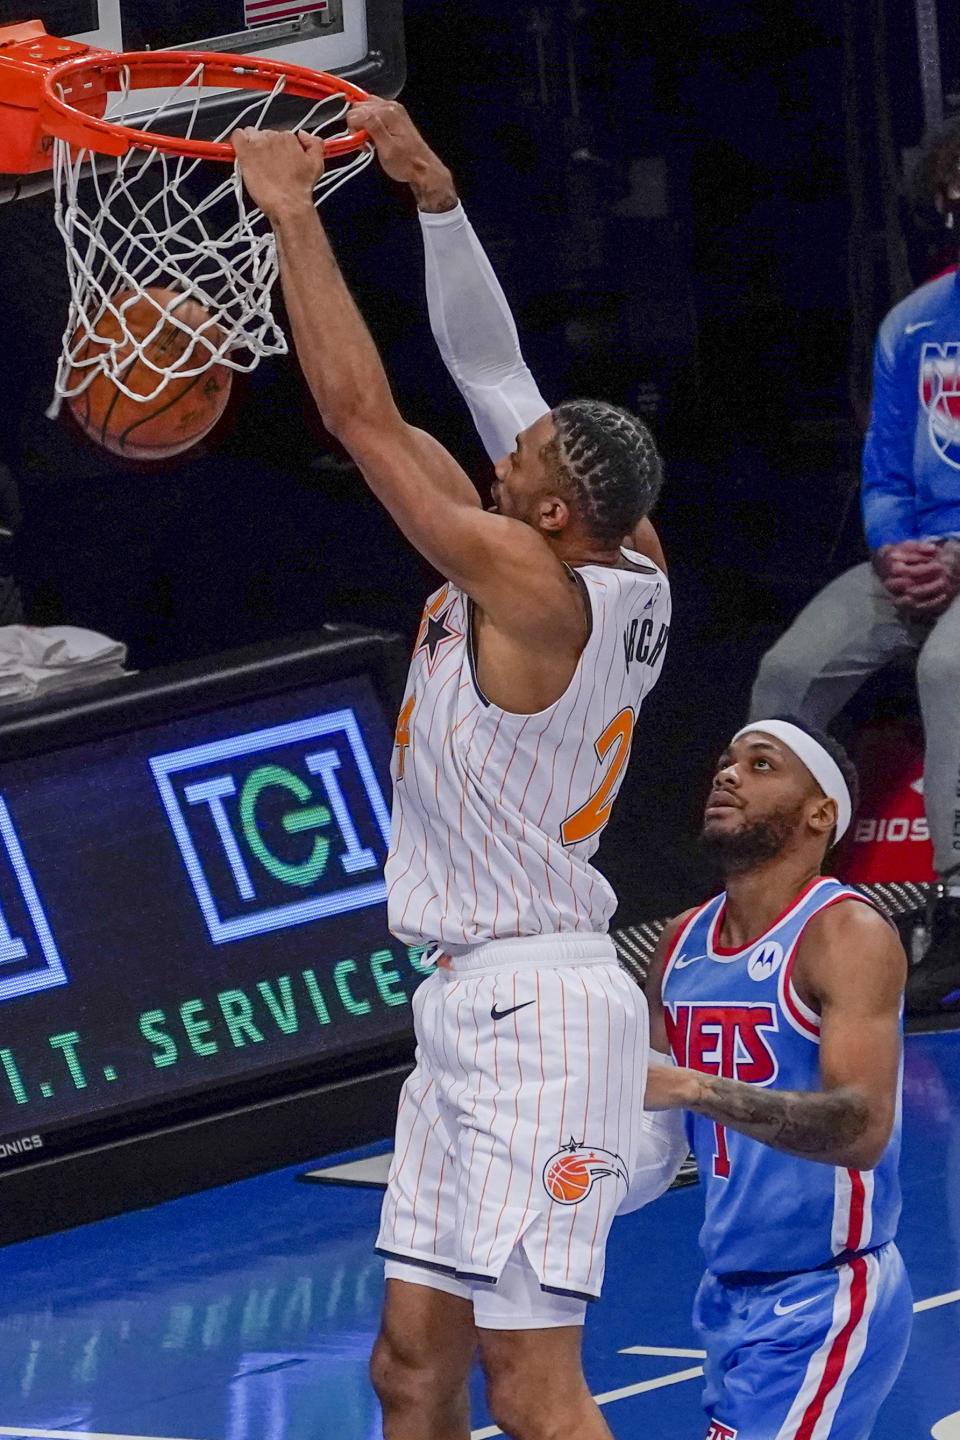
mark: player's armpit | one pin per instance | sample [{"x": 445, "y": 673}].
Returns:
[{"x": 501, "y": 563}]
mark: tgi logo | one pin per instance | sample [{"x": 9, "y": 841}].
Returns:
[
  {"x": 29, "y": 959},
  {"x": 278, "y": 827}
]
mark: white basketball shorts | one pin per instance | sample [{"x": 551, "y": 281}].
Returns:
[{"x": 520, "y": 1124}]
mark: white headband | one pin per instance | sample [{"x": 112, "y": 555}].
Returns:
[{"x": 821, "y": 765}]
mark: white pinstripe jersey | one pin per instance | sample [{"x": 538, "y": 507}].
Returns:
[{"x": 496, "y": 815}]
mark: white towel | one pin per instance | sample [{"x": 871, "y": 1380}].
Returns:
[{"x": 41, "y": 660}]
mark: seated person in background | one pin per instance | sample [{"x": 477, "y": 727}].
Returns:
[{"x": 905, "y": 598}]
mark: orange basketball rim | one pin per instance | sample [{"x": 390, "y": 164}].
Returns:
[
  {"x": 59, "y": 88},
  {"x": 146, "y": 213}
]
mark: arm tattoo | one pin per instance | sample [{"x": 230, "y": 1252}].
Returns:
[{"x": 810, "y": 1123}]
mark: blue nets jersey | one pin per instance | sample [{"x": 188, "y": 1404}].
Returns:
[
  {"x": 911, "y": 459},
  {"x": 736, "y": 1013}
]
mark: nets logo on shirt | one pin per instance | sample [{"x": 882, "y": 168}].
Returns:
[
  {"x": 940, "y": 397},
  {"x": 728, "y": 1040}
]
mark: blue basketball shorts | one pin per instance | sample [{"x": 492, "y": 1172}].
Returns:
[{"x": 807, "y": 1357}]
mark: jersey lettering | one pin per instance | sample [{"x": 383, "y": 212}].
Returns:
[
  {"x": 402, "y": 738},
  {"x": 721, "y": 1159},
  {"x": 483, "y": 795},
  {"x": 638, "y": 643},
  {"x": 594, "y": 815},
  {"x": 719, "y": 1431},
  {"x": 724, "y": 1040}
]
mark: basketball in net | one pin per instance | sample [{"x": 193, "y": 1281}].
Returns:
[
  {"x": 151, "y": 391},
  {"x": 170, "y": 265}
]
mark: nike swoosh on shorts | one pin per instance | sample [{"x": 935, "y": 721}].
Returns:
[
  {"x": 496, "y": 1014},
  {"x": 781, "y": 1309}
]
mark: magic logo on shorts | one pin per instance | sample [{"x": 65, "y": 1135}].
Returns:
[
  {"x": 29, "y": 958},
  {"x": 940, "y": 397},
  {"x": 571, "y": 1173},
  {"x": 278, "y": 827}
]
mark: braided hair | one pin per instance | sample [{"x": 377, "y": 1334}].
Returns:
[{"x": 607, "y": 461}]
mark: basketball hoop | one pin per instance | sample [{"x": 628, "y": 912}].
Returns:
[{"x": 143, "y": 210}]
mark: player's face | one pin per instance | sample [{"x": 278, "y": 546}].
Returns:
[
  {"x": 523, "y": 477},
  {"x": 761, "y": 796}
]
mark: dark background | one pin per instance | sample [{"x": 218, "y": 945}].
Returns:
[{"x": 734, "y": 304}]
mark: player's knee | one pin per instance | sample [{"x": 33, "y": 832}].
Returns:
[
  {"x": 530, "y": 1411},
  {"x": 515, "y": 1409},
  {"x": 938, "y": 672},
  {"x": 402, "y": 1380}
]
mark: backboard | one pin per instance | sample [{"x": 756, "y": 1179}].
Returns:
[{"x": 360, "y": 40}]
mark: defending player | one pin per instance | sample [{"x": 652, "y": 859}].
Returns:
[
  {"x": 781, "y": 1002},
  {"x": 523, "y": 1120}
]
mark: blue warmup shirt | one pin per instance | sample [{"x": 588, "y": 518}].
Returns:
[
  {"x": 911, "y": 460},
  {"x": 736, "y": 1013}
]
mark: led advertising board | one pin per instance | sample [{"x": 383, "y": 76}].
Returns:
[{"x": 193, "y": 903}]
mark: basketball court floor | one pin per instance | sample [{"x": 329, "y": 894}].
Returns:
[{"x": 248, "y": 1312}]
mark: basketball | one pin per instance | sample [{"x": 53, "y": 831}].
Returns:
[
  {"x": 567, "y": 1179},
  {"x": 170, "y": 417}
]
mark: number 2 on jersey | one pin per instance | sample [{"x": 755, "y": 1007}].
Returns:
[
  {"x": 402, "y": 737},
  {"x": 592, "y": 816}
]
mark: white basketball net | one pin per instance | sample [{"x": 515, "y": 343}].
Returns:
[{"x": 147, "y": 219}]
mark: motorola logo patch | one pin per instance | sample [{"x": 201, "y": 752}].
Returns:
[{"x": 765, "y": 960}]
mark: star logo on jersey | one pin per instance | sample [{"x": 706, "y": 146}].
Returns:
[
  {"x": 571, "y": 1173},
  {"x": 940, "y": 397},
  {"x": 436, "y": 631}
]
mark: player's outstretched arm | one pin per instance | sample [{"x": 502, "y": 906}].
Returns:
[
  {"x": 503, "y": 564},
  {"x": 469, "y": 314},
  {"x": 851, "y": 962}
]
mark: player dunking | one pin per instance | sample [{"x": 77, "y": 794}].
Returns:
[
  {"x": 522, "y": 1123},
  {"x": 781, "y": 1001}
]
